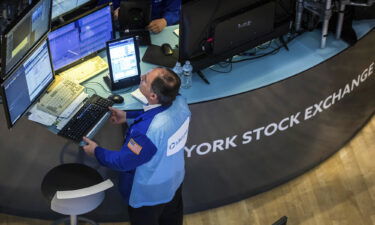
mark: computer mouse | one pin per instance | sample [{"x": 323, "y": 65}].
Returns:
[
  {"x": 166, "y": 49},
  {"x": 118, "y": 99}
]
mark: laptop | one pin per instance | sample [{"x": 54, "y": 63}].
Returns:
[{"x": 134, "y": 17}]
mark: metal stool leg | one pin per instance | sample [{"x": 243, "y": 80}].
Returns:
[
  {"x": 340, "y": 19},
  {"x": 299, "y": 11},
  {"x": 327, "y": 16},
  {"x": 73, "y": 220}
]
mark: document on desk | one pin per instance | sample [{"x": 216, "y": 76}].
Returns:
[
  {"x": 41, "y": 117},
  {"x": 177, "y": 32}
]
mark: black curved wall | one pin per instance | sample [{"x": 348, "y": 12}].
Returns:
[{"x": 238, "y": 146}]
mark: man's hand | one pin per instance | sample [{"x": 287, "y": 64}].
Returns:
[
  {"x": 156, "y": 26},
  {"x": 90, "y": 147},
  {"x": 117, "y": 116}
]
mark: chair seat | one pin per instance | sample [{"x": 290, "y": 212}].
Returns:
[{"x": 70, "y": 177}]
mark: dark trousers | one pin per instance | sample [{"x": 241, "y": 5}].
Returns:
[{"x": 170, "y": 213}]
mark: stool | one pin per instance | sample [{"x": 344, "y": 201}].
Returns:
[
  {"x": 74, "y": 189},
  {"x": 342, "y": 5},
  {"x": 321, "y": 8}
]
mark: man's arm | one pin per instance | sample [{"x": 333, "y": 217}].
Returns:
[
  {"x": 170, "y": 15},
  {"x": 171, "y": 12},
  {"x": 136, "y": 151}
]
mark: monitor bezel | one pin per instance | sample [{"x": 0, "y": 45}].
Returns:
[
  {"x": 78, "y": 61},
  {"x": 2, "y": 88},
  {"x": 129, "y": 81},
  {"x": 3, "y": 39}
]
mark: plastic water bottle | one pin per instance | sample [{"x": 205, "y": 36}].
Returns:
[
  {"x": 178, "y": 69},
  {"x": 187, "y": 73}
]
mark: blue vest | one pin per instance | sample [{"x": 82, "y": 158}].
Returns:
[{"x": 156, "y": 181}]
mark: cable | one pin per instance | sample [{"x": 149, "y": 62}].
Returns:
[
  {"x": 274, "y": 51},
  {"x": 88, "y": 88},
  {"x": 97, "y": 83}
]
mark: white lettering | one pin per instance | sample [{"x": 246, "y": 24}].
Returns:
[
  {"x": 325, "y": 104},
  {"x": 355, "y": 82},
  {"x": 273, "y": 127},
  {"x": 294, "y": 120},
  {"x": 346, "y": 91},
  {"x": 257, "y": 131},
  {"x": 281, "y": 127},
  {"x": 364, "y": 75},
  {"x": 189, "y": 150},
  {"x": 218, "y": 144},
  {"x": 371, "y": 69},
  {"x": 308, "y": 113},
  {"x": 336, "y": 96},
  {"x": 203, "y": 152},
  {"x": 318, "y": 108},
  {"x": 230, "y": 142},
  {"x": 246, "y": 137}
]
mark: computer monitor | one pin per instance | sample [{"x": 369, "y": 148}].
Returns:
[
  {"x": 213, "y": 30},
  {"x": 134, "y": 14},
  {"x": 27, "y": 82},
  {"x": 61, "y": 7},
  {"x": 24, "y": 33},
  {"x": 123, "y": 62},
  {"x": 74, "y": 41}
]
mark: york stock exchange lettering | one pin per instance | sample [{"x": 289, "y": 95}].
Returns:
[{"x": 226, "y": 143}]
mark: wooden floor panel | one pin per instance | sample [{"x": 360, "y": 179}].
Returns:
[{"x": 340, "y": 191}]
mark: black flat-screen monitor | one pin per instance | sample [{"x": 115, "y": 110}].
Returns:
[
  {"x": 61, "y": 7},
  {"x": 24, "y": 33},
  {"x": 134, "y": 14},
  {"x": 213, "y": 30},
  {"x": 123, "y": 62},
  {"x": 27, "y": 82},
  {"x": 81, "y": 37}
]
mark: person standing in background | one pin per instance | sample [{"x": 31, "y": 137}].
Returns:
[{"x": 163, "y": 13}]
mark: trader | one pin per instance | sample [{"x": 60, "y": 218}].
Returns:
[
  {"x": 164, "y": 13},
  {"x": 151, "y": 161}
]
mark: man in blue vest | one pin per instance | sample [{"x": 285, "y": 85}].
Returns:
[
  {"x": 151, "y": 161},
  {"x": 163, "y": 13}
]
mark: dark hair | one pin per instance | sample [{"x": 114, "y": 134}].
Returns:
[{"x": 166, "y": 86}]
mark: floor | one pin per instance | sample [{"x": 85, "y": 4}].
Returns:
[{"x": 340, "y": 191}]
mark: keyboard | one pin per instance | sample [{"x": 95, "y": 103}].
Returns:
[
  {"x": 85, "y": 70},
  {"x": 88, "y": 120},
  {"x": 60, "y": 97}
]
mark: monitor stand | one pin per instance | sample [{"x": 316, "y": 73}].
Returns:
[{"x": 107, "y": 81}]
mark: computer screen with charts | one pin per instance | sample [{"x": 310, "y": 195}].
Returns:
[
  {"x": 123, "y": 59},
  {"x": 26, "y": 83},
  {"x": 81, "y": 37},
  {"x": 24, "y": 33},
  {"x": 61, "y": 7}
]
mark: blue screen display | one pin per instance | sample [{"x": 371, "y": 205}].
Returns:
[
  {"x": 123, "y": 59},
  {"x": 60, "y": 7},
  {"x": 27, "y": 82},
  {"x": 81, "y": 37}
]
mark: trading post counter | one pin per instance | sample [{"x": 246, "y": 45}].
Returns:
[{"x": 261, "y": 124}]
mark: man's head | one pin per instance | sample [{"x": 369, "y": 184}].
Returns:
[{"x": 160, "y": 86}]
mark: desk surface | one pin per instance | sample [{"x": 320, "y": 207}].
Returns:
[{"x": 304, "y": 54}]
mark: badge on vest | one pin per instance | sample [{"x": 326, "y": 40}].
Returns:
[
  {"x": 134, "y": 146},
  {"x": 178, "y": 140}
]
